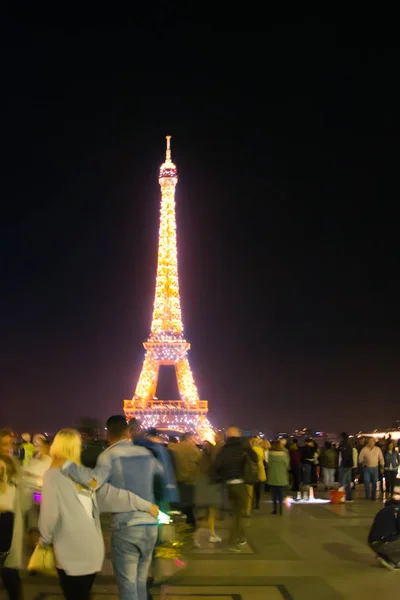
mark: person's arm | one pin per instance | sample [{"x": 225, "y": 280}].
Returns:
[
  {"x": 361, "y": 457},
  {"x": 115, "y": 500},
  {"x": 49, "y": 512},
  {"x": 91, "y": 478},
  {"x": 355, "y": 458},
  {"x": 381, "y": 458},
  {"x": 253, "y": 455}
]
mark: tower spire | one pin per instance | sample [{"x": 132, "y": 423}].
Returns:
[{"x": 168, "y": 152}]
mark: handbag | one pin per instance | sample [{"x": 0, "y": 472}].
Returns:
[
  {"x": 251, "y": 475},
  {"x": 43, "y": 561}
]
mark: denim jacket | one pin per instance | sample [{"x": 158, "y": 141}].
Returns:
[
  {"x": 391, "y": 461},
  {"x": 124, "y": 466}
]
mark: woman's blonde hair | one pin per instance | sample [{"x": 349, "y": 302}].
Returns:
[{"x": 67, "y": 444}]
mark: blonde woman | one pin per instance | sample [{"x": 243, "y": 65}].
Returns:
[{"x": 69, "y": 518}]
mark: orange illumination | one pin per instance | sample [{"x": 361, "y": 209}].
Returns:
[{"x": 166, "y": 344}]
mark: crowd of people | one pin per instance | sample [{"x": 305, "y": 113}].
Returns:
[{"x": 54, "y": 492}]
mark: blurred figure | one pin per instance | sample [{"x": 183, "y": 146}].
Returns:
[
  {"x": 391, "y": 468},
  {"x": 187, "y": 460},
  {"x": 370, "y": 459},
  {"x": 26, "y": 449},
  {"x": 208, "y": 493},
  {"x": 91, "y": 447},
  {"x": 165, "y": 487},
  {"x": 278, "y": 475},
  {"x": 11, "y": 519},
  {"x": 283, "y": 442},
  {"x": 230, "y": 469},
  {"x": 256, "y": 446},
  {"x": 307, "y": 459},
  {"x": 384, "y": 536},
  {"x": 328, "y": 461},
  {"x": 295, "y": 466},
  {"x": 346, "y": 465},
  {"x": 33, "y": 475}
]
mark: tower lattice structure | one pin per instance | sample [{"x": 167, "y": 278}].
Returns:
[{"x": 166, "y": 344}]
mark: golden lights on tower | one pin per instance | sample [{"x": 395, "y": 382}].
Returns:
[{"x": 166, "y": 344}]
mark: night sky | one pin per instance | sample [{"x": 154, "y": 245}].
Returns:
[{"x": 287, "y": 148}]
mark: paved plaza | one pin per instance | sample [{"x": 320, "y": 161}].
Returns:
[{"x": 311, "y": 552}]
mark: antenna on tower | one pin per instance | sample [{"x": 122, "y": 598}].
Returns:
[{"x": 168, "y": 153}]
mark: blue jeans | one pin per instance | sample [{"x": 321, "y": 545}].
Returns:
[
  {"x": 370, "y": 480},
  {"x": 345, "y": 478},
  {"x": 132, "y": 550}
]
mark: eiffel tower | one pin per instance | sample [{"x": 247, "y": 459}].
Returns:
[{"x": 166, "y": 344}]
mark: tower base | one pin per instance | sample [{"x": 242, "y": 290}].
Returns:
[{"x": 173, "y": 415}]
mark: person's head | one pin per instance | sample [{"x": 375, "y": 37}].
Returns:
[
  {"x": 26, "y": 437},
  {"x": 283, "y": 442},
  {"x": 43, "y": 447},
  {"x": 134, "y": 428},
  {"x": 67, "y": 444},
  {"x": 344, "y": 436},
  {"x": 391, "y": 446},
  {"x": 6, "y": 443},
  {"x": 266, "y": 444},
  {"x": 328, "y": 445},
  {"x": 173, "y": 440},
  {"x": 276, "y": 446},
  {"x": 117, "y": 428},
  {"x": 188, "y": 437},
  {"x": 233, "y": 432},
  {"x": 310, "y": 442},
  {"x": 36, "y": 439},
  {"x": 219, "y": 437},
  {"x": 207, "y": 449},
  {"x": 371, "y": 442}
]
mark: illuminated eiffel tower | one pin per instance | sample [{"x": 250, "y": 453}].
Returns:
[{"x": 166, "y": 344}]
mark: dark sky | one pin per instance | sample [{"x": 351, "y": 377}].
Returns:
[{"x": 286, "y": 143}]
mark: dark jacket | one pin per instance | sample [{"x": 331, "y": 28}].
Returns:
[
  {"x": 307, "y": 454},
  {"x": 346, "y": 454},
  {"x": 91, "y": 451},
  {"x": 230, "y": 460},
  {"x": 329, "y": 459},
  {"x": 295, "y": 456},
  {"x": 386, "y": 526}
]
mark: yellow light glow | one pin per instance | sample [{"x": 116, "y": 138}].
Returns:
[{"x": 166, "y": 344}]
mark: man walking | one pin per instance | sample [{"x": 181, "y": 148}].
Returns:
[
  {"x": 230, "y": 468},
  {"x": 134, "y": 535}
]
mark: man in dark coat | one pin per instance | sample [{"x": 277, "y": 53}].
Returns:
[
  {"x": 384, "y": 537},
  {"x": 230, "y": 464}
]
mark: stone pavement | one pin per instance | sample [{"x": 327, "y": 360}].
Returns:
[{"x": 311, "y": 552}]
